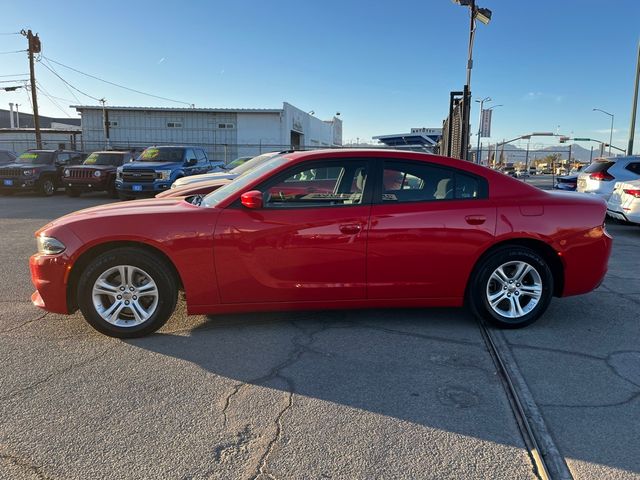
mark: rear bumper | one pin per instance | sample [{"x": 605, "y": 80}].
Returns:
[
  {"x": 49, "y": 274},
  {"x": 586, "y": 262}
]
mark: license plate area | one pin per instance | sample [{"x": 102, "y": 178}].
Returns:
[
  {"x": 7, "y": 182},
  {"x": 137, "y": 188}
]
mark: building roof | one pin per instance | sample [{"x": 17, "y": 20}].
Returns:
[{"x": 171, "y": 109}]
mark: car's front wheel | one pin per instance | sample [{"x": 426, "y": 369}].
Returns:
[
  {"x": 127, "y": 292},
  {"x": 47, "y": 187},
  {"x": 512, "y": 287}
]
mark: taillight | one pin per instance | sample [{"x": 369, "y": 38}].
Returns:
[
  {"x": 602, "y": 176},
  {"x": 635, "y": 193}
]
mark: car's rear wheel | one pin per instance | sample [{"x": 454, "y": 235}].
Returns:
[
  {"x": 47, "y": 187},
  {"x": 127, "y": 292},
  {"x": 511, "y": 288}
]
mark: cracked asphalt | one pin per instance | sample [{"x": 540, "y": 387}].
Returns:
[{"x": 329, "y": 395}]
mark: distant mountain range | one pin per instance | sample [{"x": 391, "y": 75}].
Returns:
[{"x": 515, "y": 154}]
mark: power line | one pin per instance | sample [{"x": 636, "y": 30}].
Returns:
[
  {"x": 13, "y": 51},
  {"x": 115, "y": 84},
  {"x": 67, "y": 83},
  {"x": 46, "y": 94},
  {"x": 10, "y": 33},
  {"x": 70, "y": 91},
  {"x": 16, "y": 75}
]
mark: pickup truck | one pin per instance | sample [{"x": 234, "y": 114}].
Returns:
[
  {"x": 158, "y": 167},
  {"x": 37, "y": 170}
]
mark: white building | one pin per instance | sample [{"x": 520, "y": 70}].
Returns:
[{"x": 224, "y": 133}]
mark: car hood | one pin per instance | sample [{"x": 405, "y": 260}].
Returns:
[
  {"x": 93, "y": 167},
  {"x": 191, "y": 188},
  {"x": 150, "y": 206},
  {"x": 152, "y": 165},
  {"x": 24, "y": 165},
  {"x": 205, "y": 177}
]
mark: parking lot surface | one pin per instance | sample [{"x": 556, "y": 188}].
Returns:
[{"x": 347, "y": 394}]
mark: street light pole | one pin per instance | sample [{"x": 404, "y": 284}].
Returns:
[
  {"x": 634, "y": 106},
  {"x": 611, "y": 131},
  {"x": 484, "y": 15}
]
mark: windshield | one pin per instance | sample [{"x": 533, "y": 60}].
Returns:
[
  {"x": 39, "y": 158},
  {"x": 254, "y": 162},
  {"x": 161, "y": 154},
  {"x": 103, "y": 159},
  {"x": 240, "y": 183}
]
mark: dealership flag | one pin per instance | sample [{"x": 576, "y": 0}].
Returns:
[{"x": 485, "y": 124}]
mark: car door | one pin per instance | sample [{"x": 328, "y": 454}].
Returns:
[
  {"x": 307, "y": 243},
  {"x": 428, "y": 225}
]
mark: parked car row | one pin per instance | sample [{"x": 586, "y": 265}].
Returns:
[{"x": 116, "y": 172}]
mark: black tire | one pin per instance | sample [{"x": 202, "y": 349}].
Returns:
[
  {"x": 510, "y": 292},
  {"x": 72, "y": 192},
  {"x": 124, "y": 197},
  {"x": 158, "y": 271},
  {"x": 111, "y": 190},
  {"x": 47, "y": 187}
]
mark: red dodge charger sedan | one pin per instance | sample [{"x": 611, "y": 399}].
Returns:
[{"x": 327, "y": 229}]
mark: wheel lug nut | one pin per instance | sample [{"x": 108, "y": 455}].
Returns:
[
  {"x": 126, "y": 302},
  {"x": 135, "y": 298},
  {"x": 119, "y": 297},
  {"x": 504, "y": 288},
  {"x": 122, "y": 289},
  {"x": 510, "y": 281},
  {"x": 508, "y": 294},
  {"x": 517, "y": 284},
  {"x": 132, "y": 289}
]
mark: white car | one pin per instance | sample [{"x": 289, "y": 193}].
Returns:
[
  {"x": 624, "y": 202},
  {"x": 600, "y": 177},
  {"x": 225, "y": 174}
]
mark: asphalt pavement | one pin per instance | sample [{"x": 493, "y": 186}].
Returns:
[{"x": 349, "y": 394}]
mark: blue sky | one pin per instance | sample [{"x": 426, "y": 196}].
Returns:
[{"x": 386, "y": 66}]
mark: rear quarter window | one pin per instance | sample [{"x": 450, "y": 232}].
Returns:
[{"x": 634, "y": 167}]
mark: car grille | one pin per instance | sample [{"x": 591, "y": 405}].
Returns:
[
  {"x": 11, "y": 172},
  {"x": 138, "y": 176},
  {"x": 80, "y": 173}
]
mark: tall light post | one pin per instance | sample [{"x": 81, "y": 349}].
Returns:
[
  {"x": 611, "y": 131},
  {"x": 484, "y": 15},
  {"x": 481, "y": 102}
]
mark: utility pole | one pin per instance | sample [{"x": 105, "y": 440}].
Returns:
[
  {"x": 634, "y": 107},
  {"x": 34, "y": 47}
]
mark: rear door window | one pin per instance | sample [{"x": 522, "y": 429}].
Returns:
[{"x": 404, "y": 181}]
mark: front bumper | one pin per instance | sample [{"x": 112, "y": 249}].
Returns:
[
  {"x": 17, "y": 184},
  {"x": 86, "y": 185},
  {"x": 50, "y": 275},
  {"x": 143, "y": 188}
]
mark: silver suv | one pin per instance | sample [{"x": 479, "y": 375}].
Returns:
[{"x": 600, "y": 177}]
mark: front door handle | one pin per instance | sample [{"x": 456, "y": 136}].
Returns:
[
  {"x": 475, "y": 219},
  {"x": 350, "y": 228}
]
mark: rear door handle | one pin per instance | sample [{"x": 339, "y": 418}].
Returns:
[
  {"x": 350, "y": 228},
  {"x": 475, "y": 219}
]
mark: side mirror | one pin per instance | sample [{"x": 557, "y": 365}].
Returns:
[
  {"x": 252, "y": 199},
  {"x": 191, "y": 162}
]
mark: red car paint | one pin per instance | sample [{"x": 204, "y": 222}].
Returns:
[{"x": 230, "y": 258}]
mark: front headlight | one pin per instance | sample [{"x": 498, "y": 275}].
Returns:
[
  {"x": 67, "y": 172},
  {"x": 97, "y": 173},
  {"x": 28, "y": 172},
  {"x": 163, "y": 174},
  {"x": 49, "y": 245},
  {"x": 119, "y": 173}
]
